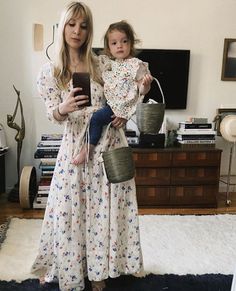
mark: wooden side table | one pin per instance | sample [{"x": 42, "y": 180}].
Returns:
[{"x": 2, "y": 173}]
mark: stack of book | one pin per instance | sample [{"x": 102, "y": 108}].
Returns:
[
  {"x": 47, "y": 150},
  {"x": 49, "y": 146},
  {"x": 192, "y": 135}
]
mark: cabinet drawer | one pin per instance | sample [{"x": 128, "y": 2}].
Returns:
[
  {"x": 152, "y": 196},
  {"x": 204, "y": 195},
  {"x": 194, "y": 175},
  {"x": 152, "y": 176},
  {"x": 198, "y": 158},
  {"x": 152, "y": 159}
]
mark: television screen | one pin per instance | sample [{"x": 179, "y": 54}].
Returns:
[{"x": 171, "y": 68}]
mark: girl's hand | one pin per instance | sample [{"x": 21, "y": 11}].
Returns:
[
  {"x": 118, "y": 122},
  {"x": 73, "y": 103},
  {"x": 145, "y": 84}
]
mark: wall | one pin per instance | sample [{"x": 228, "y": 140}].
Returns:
[{"x": 200, "y": 26}]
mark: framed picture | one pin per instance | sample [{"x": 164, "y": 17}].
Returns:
[{"x": 228, "y": 72}]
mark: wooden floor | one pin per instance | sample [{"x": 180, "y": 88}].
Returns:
[{"x": 10, "y": 209}]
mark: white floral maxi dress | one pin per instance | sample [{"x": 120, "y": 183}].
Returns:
[{"x": 90, "y": 227}]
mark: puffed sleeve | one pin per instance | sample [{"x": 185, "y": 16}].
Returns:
[
  {"x": 104, "y": 63},
  {"x": 142, "y": 70},
  {"x": 49, "y": 90}
]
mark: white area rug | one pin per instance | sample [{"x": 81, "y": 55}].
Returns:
[{"x": 171, "y": 244}]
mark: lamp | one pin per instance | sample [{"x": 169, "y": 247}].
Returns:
[{"x": 228, "y": 132}]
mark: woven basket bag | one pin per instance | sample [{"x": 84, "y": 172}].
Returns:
[
  {"x": 119, "y": 163},
  {"x": 150, "y": 116}
]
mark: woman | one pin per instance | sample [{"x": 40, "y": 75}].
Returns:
[{"x": 90, "y": 227}]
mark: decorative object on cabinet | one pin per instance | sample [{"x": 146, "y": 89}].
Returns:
[
  {"x": 13, "y": 195},
  {"x": 191, "y": 134},
  {"x": 228, "y": 132},
  {"x": 220, "y": 114},
  {"x": 174, "y": 177}
]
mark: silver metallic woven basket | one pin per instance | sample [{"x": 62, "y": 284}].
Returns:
[
  {"x": 150, "y": 116},
  {"x": 119, "y": 163}
]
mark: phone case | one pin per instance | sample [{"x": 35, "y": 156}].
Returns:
[{"x": 82, "y": 80}]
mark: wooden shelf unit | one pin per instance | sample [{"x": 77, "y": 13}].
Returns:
[{"x": 174, "y": 177}]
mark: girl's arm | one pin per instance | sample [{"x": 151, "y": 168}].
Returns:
[{"x": 145, "y": 84}]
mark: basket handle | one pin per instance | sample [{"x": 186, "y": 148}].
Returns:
[
  {"x": 122, "y": 134},
  {"x": 159, "y": 86}
]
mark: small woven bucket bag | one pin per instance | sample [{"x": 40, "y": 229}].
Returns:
[
  {"x": 119, "y": 163},
  {"x": 150, "y": 116}
]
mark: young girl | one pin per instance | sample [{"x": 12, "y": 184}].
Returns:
[{"x": 126, "y": 80}]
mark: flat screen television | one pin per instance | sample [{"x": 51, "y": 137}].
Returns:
[{"x": 171, "y": 68}]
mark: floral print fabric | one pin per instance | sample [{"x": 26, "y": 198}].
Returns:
[
  {"x": 121, "y": 84},
  {"x": 90, "y": 227}
]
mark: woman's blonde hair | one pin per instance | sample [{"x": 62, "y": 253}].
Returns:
[
  {"x": 62, "y": 72},
  {"x": 125, "y": 27}
]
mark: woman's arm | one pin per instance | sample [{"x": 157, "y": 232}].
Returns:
[
  {"x": 57, "y": 109},
  {"x": 70, "y": 104}
]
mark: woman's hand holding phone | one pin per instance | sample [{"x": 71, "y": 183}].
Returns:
[{"x": 81, "y": 81}]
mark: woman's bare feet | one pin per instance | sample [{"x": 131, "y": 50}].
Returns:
[{"x": 98, "y": 285}]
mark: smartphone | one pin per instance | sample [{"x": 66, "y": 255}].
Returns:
[{"x": 82, "y": 80}]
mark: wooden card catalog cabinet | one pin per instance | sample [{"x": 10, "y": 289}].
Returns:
[{"x": 176, "y": 177}]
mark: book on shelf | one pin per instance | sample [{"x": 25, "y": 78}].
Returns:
[
  {"x": 45, "y": 154},
  {"x": 195, "y": 137},
  {"x": 51, "y": 136},
  {"x": 42, "y": 194},
  {"x": 48, "y": 148},
  {"x": 44, "y": 181},
  {"x": 39, "y": 204},
  {"x": 45, "y": 143},
  {"x": 196, "y": 132},
  {"x": 197, "y": 141},
  {"x": 46, "y": 167},
  {"x": 46, "y": 176},
  {"x": 190, "y": 125},
  {"x": 48, "y": 161},
  {"x": 42, "y": 199},
  {"x": 43, "y": 191},
  {"x": 47, "y": 172}
]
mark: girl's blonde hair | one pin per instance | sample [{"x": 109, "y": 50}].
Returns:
[
  {"x": 125, "y": 27},
  {"x": 62, "y": 72}
]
